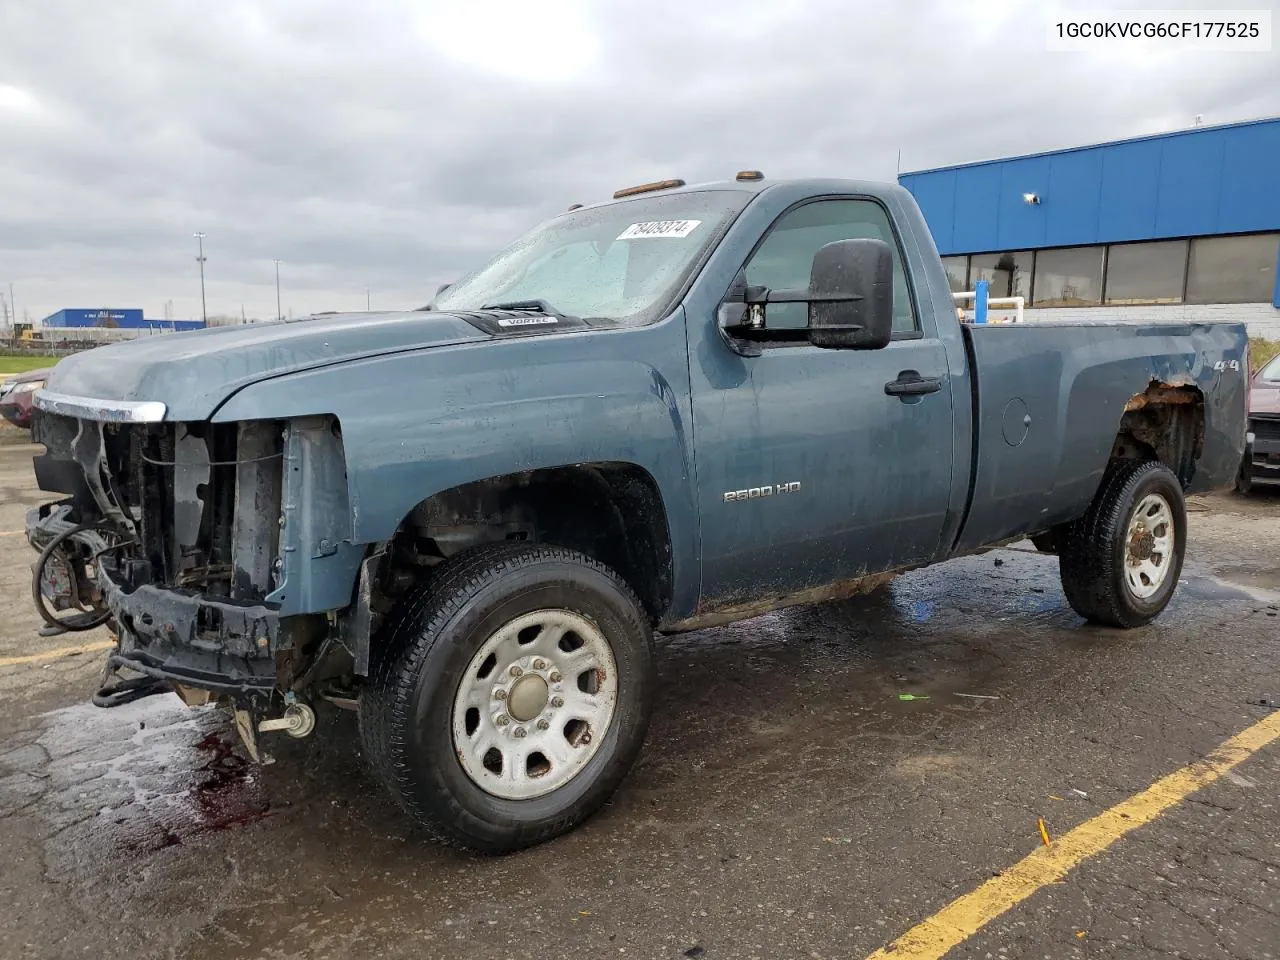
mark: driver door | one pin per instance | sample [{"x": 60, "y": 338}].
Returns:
[{"x": 859, "y": 479}]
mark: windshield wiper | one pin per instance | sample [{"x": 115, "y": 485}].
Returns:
[{"x": 538, "y": 304}]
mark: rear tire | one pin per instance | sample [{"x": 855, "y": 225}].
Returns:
[
  {"x": 476, "y": 716},
  {"x": 1244, "y": 482},
  {"x": 1120, "y": 562}
]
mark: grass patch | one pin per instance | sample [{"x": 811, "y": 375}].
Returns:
[
  {"x": 1260, "y": 351},
  {"x": 21, "y": 364}
]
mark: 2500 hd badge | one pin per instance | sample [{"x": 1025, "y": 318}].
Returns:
[{"x": 755, "y": 493}]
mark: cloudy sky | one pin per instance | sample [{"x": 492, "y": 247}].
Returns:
[{"x": 392, "y": 145}]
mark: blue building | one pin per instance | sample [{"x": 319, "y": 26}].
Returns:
[
  {"x": 99, "y": 317},
  {"x": 1180, "y": 224},
  {"x": 115, "y": 319}
]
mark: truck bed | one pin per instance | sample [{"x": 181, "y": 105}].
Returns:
[{"x": 1048, "y": 400}]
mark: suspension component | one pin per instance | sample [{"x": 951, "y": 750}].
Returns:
[{"x": 298, "y": 720}]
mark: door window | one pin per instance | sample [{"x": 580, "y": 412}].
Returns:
[{"x": 784, "y": 258}]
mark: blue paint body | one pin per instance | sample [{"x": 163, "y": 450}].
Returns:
[
  {"x": 428, "y": 402},
  {"x": 1199, "y": 182}
]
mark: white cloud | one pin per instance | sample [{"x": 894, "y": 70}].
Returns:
[
  {"x": 551, "y": 41},
  {"x": 16, "y": 100}
]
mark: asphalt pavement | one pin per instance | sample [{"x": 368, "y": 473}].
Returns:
[{"x": 788, "y": 803}]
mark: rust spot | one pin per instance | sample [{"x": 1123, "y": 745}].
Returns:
[
  {"x": 1165, "y": 420},
  {"x": 1164, "y": 392},
  {"x": 728, "y": 613}
]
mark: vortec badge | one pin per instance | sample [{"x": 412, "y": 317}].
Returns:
[
  {"x": 527, "y": 321},
  {"x": 755, "y": 493}
]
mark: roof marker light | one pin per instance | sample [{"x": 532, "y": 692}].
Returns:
[{"x": 647, "y": 188}]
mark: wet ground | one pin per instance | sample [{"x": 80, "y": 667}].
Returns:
[{"x": 787, "y": 804}]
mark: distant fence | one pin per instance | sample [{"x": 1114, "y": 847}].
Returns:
[
  {"x": 11, "y": 346},
  {"x": 63, "y": 341}
]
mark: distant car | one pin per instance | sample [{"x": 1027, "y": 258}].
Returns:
[
  {"x": 1261, "y": 464},
  {"x": 16, "y": 394}
]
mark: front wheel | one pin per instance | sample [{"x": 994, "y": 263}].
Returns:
[
  {"x": 1121, "y": 561},
  {"x": 510, "y": 696}
]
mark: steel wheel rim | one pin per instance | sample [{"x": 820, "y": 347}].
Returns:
[
  {"x": 1149, "y": 546},
  {"x": 534, "y": 704}
]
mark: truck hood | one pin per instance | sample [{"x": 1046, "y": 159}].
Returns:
[{"x": 193, "y": 373}]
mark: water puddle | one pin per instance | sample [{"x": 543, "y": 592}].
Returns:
[{"x": 156, "y": 772}]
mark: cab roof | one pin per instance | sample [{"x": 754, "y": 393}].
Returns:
[{"x": 817, "y": 185}]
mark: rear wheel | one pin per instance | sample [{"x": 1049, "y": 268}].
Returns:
[
  {"x": 511, "y": 695},
  {"x": 1121, "y": 561},
  {"x": 1244, "y": 481}
]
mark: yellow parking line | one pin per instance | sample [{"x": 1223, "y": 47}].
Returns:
[
  {"x": 59, "y": 652},
  {"x": 962, "y": 918}
]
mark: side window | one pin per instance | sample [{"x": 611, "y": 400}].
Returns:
[{"x": 785, "y": 257}]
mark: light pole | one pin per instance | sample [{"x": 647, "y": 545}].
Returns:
[
  {"x": 204, "y": 310},
  {"x": 367, "y": 308},
  {"x": 279, "y": 315}
]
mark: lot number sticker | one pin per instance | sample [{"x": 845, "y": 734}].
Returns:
[{"x": 659, "y": 228}]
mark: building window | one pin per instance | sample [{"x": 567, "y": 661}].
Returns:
[
  {"x": 1233, "y": 269},
  {"x": 1069, "y": 278},
  {"x": 1009, "y": 274},
  {"x": 1146, "y": 272},
  {"x": 957, "y": 273}
]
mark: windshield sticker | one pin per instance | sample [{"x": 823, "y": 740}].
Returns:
[
  {"x": 659, "y": 228},
  {"x": 526, "y": 321}
]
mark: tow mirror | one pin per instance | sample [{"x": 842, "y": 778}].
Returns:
[{"x": 851, "y": 295}]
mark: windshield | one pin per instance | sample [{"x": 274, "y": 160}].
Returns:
[
  {"x": 1272, "y": 370},
  {"x": 622, "y": 261}
]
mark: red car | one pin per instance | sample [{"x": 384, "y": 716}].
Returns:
[
  {"x": 1262, "y": 450},
  {"x": 16, "y": 394}
]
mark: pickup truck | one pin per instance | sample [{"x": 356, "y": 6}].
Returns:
[{"x": 681, "y": 407}]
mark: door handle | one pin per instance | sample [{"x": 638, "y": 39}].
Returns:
[{"x": 911, "y": 384}]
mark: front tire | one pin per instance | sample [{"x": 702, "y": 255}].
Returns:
[
  {"x": 510, "y": 696},
  {"x": 1121, "y": 561}
]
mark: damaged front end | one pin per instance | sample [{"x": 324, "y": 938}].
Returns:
[{"x": 180, "y": 537}]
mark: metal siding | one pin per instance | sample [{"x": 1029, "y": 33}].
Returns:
[
  {"x": 1129, "y": 192},
  {"x": 1187, "y": 183},
  {"x": 1250, "y": 180},
  {"x": 977, "y": 213},
  {"x": 1190, "y": 177},
  {"x": 125, "y": 319},
  {"x": 1022, "y": 225},
  {"x": 936, "y": 196},
  {"x": 1075, "y": 178}
]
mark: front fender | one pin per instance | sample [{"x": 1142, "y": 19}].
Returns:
[{"x": 416, "y": 424}]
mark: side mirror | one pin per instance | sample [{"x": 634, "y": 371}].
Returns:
[{"x": 851, "y": 295}]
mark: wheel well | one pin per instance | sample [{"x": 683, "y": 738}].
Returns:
[
  {"x": 611, "y": 511},
  {"x": 1165, "y": 422}
]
